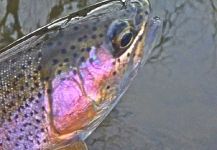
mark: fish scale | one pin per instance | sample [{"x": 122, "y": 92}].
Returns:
[
  {"x": 21, "y": 92},
  {"x": 59, "y": 82}
]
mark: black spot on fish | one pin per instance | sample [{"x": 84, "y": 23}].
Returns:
[
  {"x": 75, "y": 55},
  {"x": 39, "y": 54},
  {"x": 8, "y": 139},
  {"x": 43, "y": 108},
  {"x": 85, "y": 37},
  {"x": 93, "y": 36},
  {"x": 21, "y": 88},
  {"x": 23, "y": 67},
  {"x": 44, "y": 140},
  {"x": 29, "y": 123},
  {"x": 9, "y": 120},
  {"x": 94, "y": 28},
  {"x": 26, "y": 105},
  {"x": 66, "y": 60},
  {"x": 21, "y": 107},
  {"x": 46, "y": 78},
  {"x": 29, "y": 62},
  {"x": 80, "y": 39},
  {"x": 140, "y": 38},
  {"x": 37, "y": 120},
  {"x": 34, "y": 78},
  {"x": 114, "y": 73},
  {"x": 128, "y": 54},
  {"x": 59, "y": 71},
  {"x": 39, "y": 95},
  {"x": 88, "y": 49},
  {"x": 38, "y": 44},
  {"x": 91, "y": 60},
  {"x": 75, "y": 28},
  {"x": 16, "y": 116},
  {"x": 39, "y": 68},
  {"x": 42, "y": 130},
  {"x": 72, "y": 47},
  {"x": 31, "y": 99},
  {"x": 29, "y": 50},
  {"x": 20, "y": 138},
  {"x": 35, "y": 112},
  {"x": 63, "y": 51},
  {"x": 26, "y": 116},
  {"x": 82, "y": 59},
  {"x": 35, "y": 71},
  {"x": 101, "y": 35},
  {"x": 74, "y": 71},
  {"x": 13, "y": 61},
  {"x": 55, "y": 61},
  {"x": 134, "y": 54},
  {"x": 20, "y": 75}
]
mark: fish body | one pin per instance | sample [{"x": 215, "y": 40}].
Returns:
[{"x": 58, "y": 83}]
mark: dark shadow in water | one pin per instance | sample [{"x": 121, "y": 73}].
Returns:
[
  {"x": 12, "y": 8},
  {"x": 214, "y": 35},
  {"x": 58, "y": 9},
  {"x": 10, "y": 30}
]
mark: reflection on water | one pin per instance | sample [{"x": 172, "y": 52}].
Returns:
[
  {"x": 19, "y": 17},
  {"x": 172, "y": 103}
]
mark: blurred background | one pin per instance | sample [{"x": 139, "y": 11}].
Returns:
[{"x": 172, "y": 103}]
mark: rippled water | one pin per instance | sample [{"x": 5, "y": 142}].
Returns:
[{"x": 172, "y": 104}]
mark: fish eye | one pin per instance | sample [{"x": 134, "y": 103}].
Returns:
[
  {"x": 121, "y": 35},
  {"x": 126, "y": 39}
]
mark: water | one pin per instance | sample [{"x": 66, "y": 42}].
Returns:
[{"x": 172, "y": 104}]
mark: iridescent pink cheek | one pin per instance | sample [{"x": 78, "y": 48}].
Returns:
[
  {"x": 66, "y": 98},
  {"x": 71, "y": 108},
  {"x": 93, "y": 73},
  {"x": 73, "y": 95}
]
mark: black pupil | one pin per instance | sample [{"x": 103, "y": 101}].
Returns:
[{"x": 126, "y": 39}]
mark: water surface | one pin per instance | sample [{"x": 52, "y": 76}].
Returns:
[{"x": 172, "y": 104}]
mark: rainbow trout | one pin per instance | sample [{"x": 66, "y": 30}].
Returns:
[{"x": 58, "y": 83}]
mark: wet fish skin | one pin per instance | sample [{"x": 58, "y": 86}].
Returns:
[{"x": 55, "y": 83}]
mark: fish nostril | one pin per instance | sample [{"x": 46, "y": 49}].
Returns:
[
  {"x": 142, "y": 5},
  {"x": 138, "y": 19}
]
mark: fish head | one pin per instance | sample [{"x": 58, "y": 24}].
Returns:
[{"x": 110, "y": 46}]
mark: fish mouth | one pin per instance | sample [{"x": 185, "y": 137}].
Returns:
[
  {"x": 143, "y": 3},
  {"x": 154, "y": 32}
]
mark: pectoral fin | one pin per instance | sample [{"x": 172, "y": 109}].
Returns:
[{"x": 78, "y": 145}]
